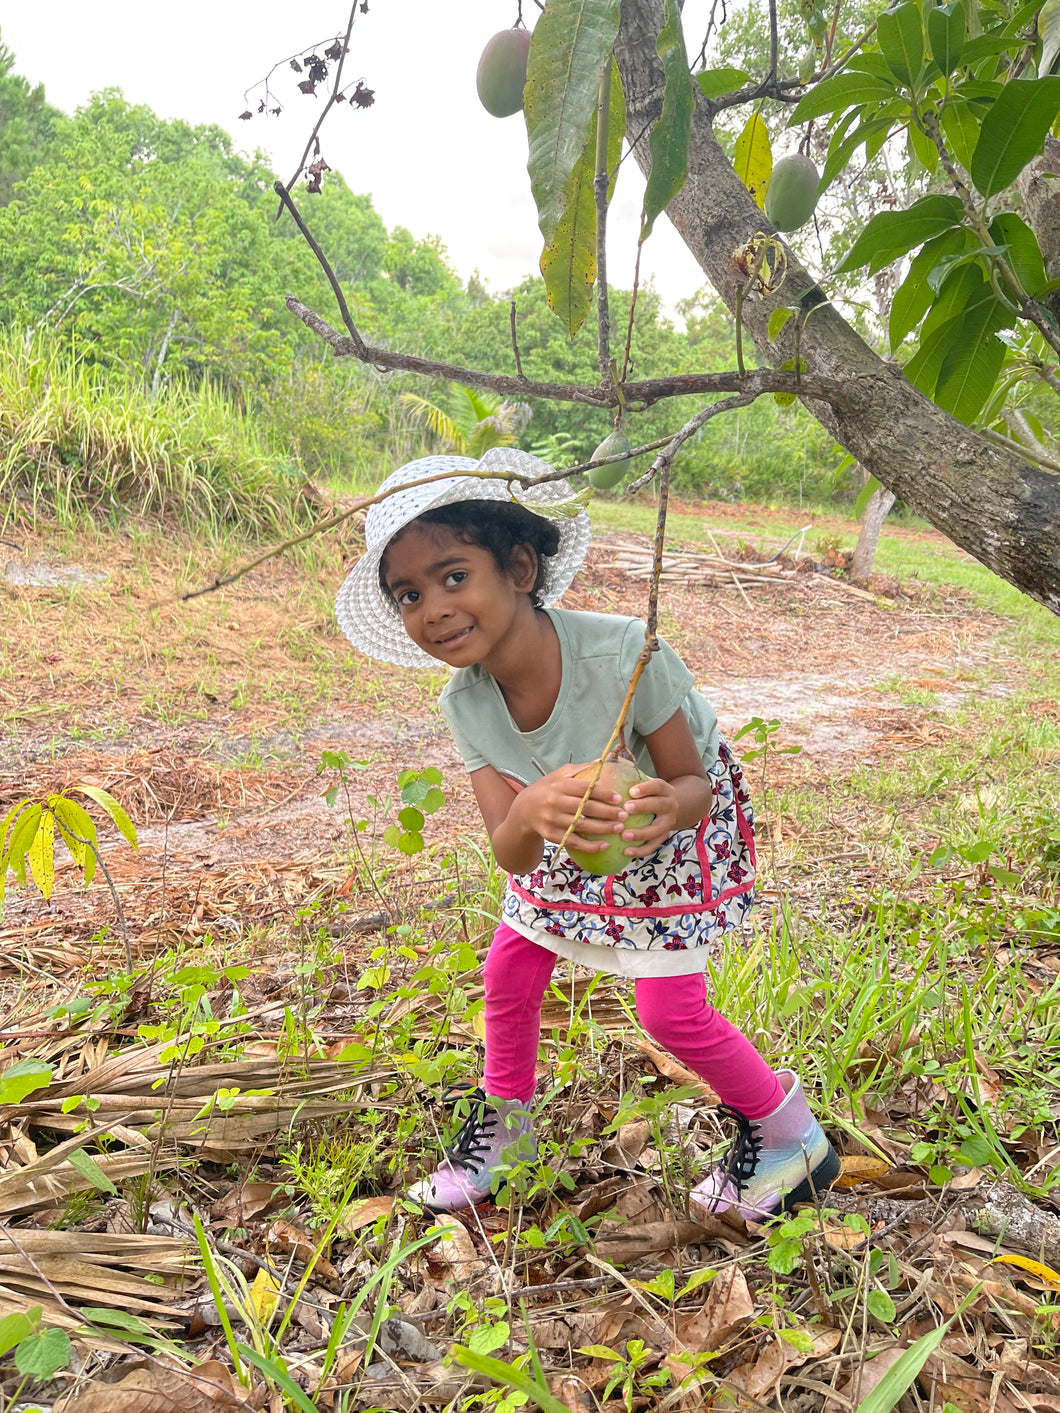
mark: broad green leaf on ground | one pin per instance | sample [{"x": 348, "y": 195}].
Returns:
[
  {"x": 41, "y": 1355},
  {"x": 754, "y": 158},
  {"x": 1022, "y": 255},
  {"x": 508, "y": 1376},
  {"x": 572, "y": 41},
  {"x": 893, "y": 233},
  {"x": 668, "y": 140},
  {"x": 15, "y": 1327},
  {"x": 715, "y": 82},
  {"x": 1049, "y": 33},
  {"x": 946, "y": 31},
  {"x": 1013, "y": 132},
  {"x": 901, "y": 42},
  {"x": 41, "y": 854},
  {"x": 90, "y": 1170},
  {"x": 568, "y": 264},
  {"x": 20, "y": 1080},
  {"x": 842, "y": 91},
  {"x": 104, "y": 798},
  {"x": 914, "y": 295}
]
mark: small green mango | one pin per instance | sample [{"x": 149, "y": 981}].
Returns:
[
  {"x": 605, "y": 477},
  {"x": 619, "y": 776},
  {"x": 501, "y": 75},
  {"x": 791, "y": 196}
]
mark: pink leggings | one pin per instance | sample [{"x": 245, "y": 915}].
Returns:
[{"x": 672, "y": 1009}]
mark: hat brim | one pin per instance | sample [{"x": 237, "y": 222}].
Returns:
[{"x": 370, "y": 618}]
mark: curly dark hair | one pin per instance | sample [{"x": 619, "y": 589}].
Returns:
[{"x": 494, "y": 525}]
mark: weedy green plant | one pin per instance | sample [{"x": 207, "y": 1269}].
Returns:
[
  {"x": 40, "y": 1350},
  {"x": 27, "y": 841}
]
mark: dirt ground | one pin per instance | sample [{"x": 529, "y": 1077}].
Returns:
[{"x": 106, "y": 686}]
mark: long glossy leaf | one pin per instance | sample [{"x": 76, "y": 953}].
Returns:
[
  {"x": 713, "y": 83},
  {"x": 668, "y": 139},
  {"x": 913, "y": 297},
  {"x": 925, "y": 151},
  {"x": 22, "y": 836},
  {"x": 1013, "y": 132},
  {"x": 1023, "y": 255},
  {"x": 901, "y": 41},
  {"x": 961, "y": 291},
  {"x": 893, "y": 233},
  {"x": 946, "y": 35},
  {"x": 754, "y": 158},
  {"x": 572, "y": 42},
  {"x": 568, "y": 265},
  {"x": 902, "y": 1374},
  {"x": 510, "y": 1377},
  {"x": 842, "y": 147},
  {"x": 1049, "y": 33},
  {"x": 122, "y": 822},
  {"x": 973, "y": 361},
  {"x": 840, "y": 91},
  {"x": 960, "y": 128}
]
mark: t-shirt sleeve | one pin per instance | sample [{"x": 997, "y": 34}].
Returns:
[
  {"x": 454, "y": 708},
  {"x": 664, "y": 686}
]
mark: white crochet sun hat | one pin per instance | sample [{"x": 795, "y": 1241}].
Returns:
[{"x": 370, "y": 618}]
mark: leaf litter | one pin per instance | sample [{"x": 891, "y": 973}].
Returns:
[{"x": 218, "y": 1151}]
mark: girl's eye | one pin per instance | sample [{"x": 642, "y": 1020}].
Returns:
[
  {"x": 456, "y": 577},
  {"x": 407, "y": 598}
]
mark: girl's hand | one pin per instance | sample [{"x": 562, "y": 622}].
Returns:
[
  {"x": 549, "y": 805},
  {"x": 657, "y": 797}
]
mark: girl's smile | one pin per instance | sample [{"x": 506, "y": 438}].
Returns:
[{"x": 455, "y": 601}]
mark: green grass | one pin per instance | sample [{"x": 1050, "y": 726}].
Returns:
[{"x": 77, "y": 440}]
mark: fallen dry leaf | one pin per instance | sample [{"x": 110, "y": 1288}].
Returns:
[
  {"x": 156, "y": 1388},
  {"x": 244, "y": 1204},
  {"x": 362, "y": 1213},
  {"x": 865, "y": 1379},
  {"x": 859, "y": 1167},
  {"x": 726, "y": 1309}
]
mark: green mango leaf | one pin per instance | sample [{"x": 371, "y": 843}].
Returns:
[
  {"x": 914, "y": 295},
  {"x": 960, "y": 128},
  {"x": 39, "y": 1356},
  {"x": 1049, "y": 34},
  {"x": 568, "y": 265},
  {"x": 962, "y": 290},
  {"x": 572, "y": 42},
  {"x": 777, "y": 319},
  {"x": 973, "y": 361},
  {"x": 1013, "y": 132},
  {"x": 841, "y": 91},
  {"x": 1023, "y": 256},
  {"x": 668, "y": 139},
  {"x": 901, "y": 1376},
  {"x": 714, "y": 83},
  {"x": 122, "y": 822},
  {"x": 893, "y": 233},
  {"x": 866, "y": 493},
  {"x": 90, "y": 1170},
  {"x": 23, "y": 834},
  {"x": 901, "y": 42},
  {"x": 754, "y": 158},
  {"x": 5, "y": 823},
  {"x": 946, "y": 30},
  {"x": 842, "y": 146},
  {"x": 509, "y": 1377},
  {"x": 923, "y": 149},
  {"x": 75, "y": 825}
]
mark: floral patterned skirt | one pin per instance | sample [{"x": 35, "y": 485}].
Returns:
[{"x": 697, "y": 886}]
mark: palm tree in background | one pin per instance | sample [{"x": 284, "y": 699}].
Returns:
[{"x": 473, "y": 422}]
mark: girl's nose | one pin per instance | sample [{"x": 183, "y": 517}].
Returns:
[{"x": 435, "y": 607}]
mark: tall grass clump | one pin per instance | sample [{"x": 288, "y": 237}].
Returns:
[{"x": 76, "y": 437}]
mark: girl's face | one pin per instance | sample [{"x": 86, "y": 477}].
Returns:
[{"x": 455, "y": 601}]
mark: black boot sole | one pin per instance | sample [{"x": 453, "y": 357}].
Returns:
[{"x": 811, "y": 1187}]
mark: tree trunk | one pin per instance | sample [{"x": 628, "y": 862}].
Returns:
[
  {"x": 989, "y": 501},
  {"x": 876, "y": 513}
]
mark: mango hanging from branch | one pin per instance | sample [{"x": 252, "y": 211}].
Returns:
[
  {"x": 791, "y": 196},
  {"x": 501, "y": 75}
]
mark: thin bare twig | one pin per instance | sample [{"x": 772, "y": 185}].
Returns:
[
  {"x": 315, "y": 134},
  {"x": 336, "y": 289},
  {"x": 603, "y": 315},
  {"x": 515, "y": 346}
]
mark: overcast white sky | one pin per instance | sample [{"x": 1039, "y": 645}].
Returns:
[{"x": 429, "y": 155}]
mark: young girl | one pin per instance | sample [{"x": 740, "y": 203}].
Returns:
[{"x": 457, "y": 572}]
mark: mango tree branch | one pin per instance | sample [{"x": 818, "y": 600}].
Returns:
[
  {"x": 645, "y": 392},
  {"x": 661, "y": 467},
  {"x": 600, "y": 176}
]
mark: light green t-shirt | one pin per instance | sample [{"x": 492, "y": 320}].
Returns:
[{"x": 598, "y": 654}]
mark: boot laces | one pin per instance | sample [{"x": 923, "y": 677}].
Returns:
[
  {"x": 475, "y": 1137},
  {"x": 742, "y": 1158}
]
